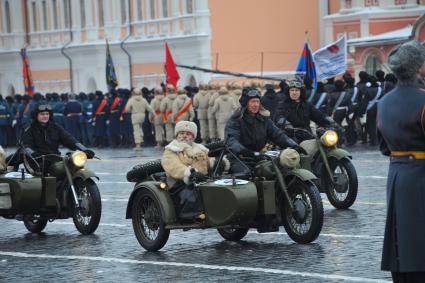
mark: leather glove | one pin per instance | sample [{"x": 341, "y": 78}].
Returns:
[
  {"x": 90, "y": 153},
  {"x": 299, "y": 149},
  {"x": 196, "y": 176},
  {"x": 247, "y": 153}
]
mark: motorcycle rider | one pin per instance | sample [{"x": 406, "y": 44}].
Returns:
[
  {"x": 250, "y": 128},
  {"x": 295, "y": 114},
  {"x": 44, "y": 136}
]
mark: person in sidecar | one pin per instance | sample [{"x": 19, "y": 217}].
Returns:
[
  {"x": 44, "y": 136},
  {"x": 185, "y": 162},
  {"x": 250, "y": 129},
  {"x": 295, "y": 113}
]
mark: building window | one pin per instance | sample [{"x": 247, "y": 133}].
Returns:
[
  {"x": 44, "y": 10},
  {"x": 348, "y": 4},
  {"x": 400, "y": 2},
  {"x": 55, "y": 14},
  {"x": 83, "y": 13},
  {"x": 164, "y": 8},
  {"x": 152, "y": 8},
  {"x": 372, "y": 64},
  {"x": 369, "y": 3},
  {"x": 140, "y": 10},
  {"x": 66, "y": 13},
  {"x": 8, "y": 19},
  {"x": 189, "y": 6},
  {"x": 100, "y": 13},
  {"x": 34, "y": 16},
  {"x": 123, "y": 12}
]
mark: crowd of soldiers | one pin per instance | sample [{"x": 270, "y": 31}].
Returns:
[{"x": 134, "y": 118}]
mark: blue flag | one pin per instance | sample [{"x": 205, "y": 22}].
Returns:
[
  {"x": 111, "y": 76},
  {"x": 306, "y": 67}
]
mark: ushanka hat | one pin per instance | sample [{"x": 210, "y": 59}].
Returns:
[
  {"x": 186, "y": 126},
  {"x": 406, "y": 60}
]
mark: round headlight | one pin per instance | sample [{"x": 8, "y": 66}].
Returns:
[
  {"x": 329, "y": 138},
  {"x": 79, "y": 158}
]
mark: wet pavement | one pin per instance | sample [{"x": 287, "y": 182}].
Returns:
[{"x": 348, "y": 248}]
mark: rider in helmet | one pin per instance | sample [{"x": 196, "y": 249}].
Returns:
[{"x": 250, "y": 129}]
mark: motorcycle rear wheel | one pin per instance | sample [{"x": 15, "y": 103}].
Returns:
[
  {"x": 233, "y": 234},
  {"x": 148, "y": 222},
  {"x": 35, "y": 224},
  {"x": 305, "y": 223},
  {"x": 87, "y": 219},
  {"x": 344, "y": 197}
]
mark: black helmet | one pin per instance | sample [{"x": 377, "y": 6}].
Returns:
[
  {"x": 249, "y": 94},
  {"x": 295, "y": 84},
  {"x": 42, "y": 108}
]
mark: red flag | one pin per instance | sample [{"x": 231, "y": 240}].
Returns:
[
  {"x": 170, "y": 68},
  {"x": 28, "y": 83}
]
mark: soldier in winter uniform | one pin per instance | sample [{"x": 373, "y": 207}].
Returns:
[
  {"x": 167, "y": 112},
  {"x": 157, "y": 118},
  {"x": 223, "y": 109},
  {"x": 200, "y": 104},
  {"x": 137, "y": 105},
  {"x": 182, "y": 107},
  {"x": 73, "y": 111},
  {"x": 115, "y": 118},
  {"x": 100, "y": 118},
  {"x": 401, "y": 134},
  {"x": 212, "y": 122}
]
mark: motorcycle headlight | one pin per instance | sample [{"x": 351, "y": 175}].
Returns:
[
  {"x": 329, "y": 138},
  {"x": 79, "y": 158}
]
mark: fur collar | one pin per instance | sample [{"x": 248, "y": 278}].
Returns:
[{"x": 176, "y": 146}]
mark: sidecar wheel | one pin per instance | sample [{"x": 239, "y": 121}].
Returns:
[
  {"x": 304, "y": 224},
  {"x": 341, "y": 196},
  {"x": 35, "y": 224},
  {"x": 148, "y": 222},
  {"x": 87, "y": 219},
  {"x": 233, "y": 234}
]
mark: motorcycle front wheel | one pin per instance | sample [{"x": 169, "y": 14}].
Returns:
[
  {"x": 304, "y": 223},
  {"x": 148, "y": 222},
  {"x": 342, "y": 192},
  {"x": 35, "y": 224},
  {"x": 87, "y": 218}
]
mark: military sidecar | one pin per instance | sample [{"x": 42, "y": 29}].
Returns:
[{"x": 273, "y": 196}]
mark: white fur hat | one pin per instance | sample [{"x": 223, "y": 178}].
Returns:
[{"x": 186, "y": 126}]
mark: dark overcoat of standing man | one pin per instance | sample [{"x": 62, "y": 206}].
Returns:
[{"x": 401, "y": 134}]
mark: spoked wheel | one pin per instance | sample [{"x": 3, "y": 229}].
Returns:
[
  {"x": 148, "y": 222},
  {"x": 35, "y": 223},
  {"x": 87, "y": 218},
  {"x": 233, "y": 234},
  {"x": 343, "y": 191},
  {"x": 305, "y": 222}
]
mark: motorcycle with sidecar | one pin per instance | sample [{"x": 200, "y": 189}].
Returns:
[
  {"x": 66, "y": 190},
  {"x": 337, "y": 176},
  {"x": 271, "y": 196}
]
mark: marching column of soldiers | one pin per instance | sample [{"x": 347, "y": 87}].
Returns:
[{"x": 136, "y": 118}]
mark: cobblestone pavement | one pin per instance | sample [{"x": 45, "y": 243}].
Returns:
[{"x": 348, "y": 249}]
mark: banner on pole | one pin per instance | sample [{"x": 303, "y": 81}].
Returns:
[{"x": 331, "y": 60}]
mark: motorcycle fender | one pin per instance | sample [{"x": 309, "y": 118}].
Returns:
[
  {"x": 339, "y": 154},
  {"x": 164, "y": 198},
  {"x": 84, "y": 174},
  {"x": 303, "y": 174}
]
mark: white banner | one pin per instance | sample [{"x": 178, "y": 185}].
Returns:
[{"x": 331, "y": 60}]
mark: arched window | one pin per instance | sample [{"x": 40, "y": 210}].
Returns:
[
  {"x": 152, "y": 8},
  {"x": 55, "y": 14},
  {"x": 372, "y": 64},
  {"x": 100, "y": 13},
  {"x": 140, "y": 10},
  {"x": 83, "y": 13},
  {"x": 123, "y": 12},
  {"x": 165, "y": 8},
  {"x": 189, "y": 6},
  {"x": 66, "y": 13},
  {"x": 44, "y": 11},
  {"x": 34, "y": 16},
  {"x": 8, "y": 19}
]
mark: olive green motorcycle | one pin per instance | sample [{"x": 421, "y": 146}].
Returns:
[
  {"x": 66, "y": 190},
  {"x": 337, "y": 176},
  {"x": 273, "y": 195}
]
